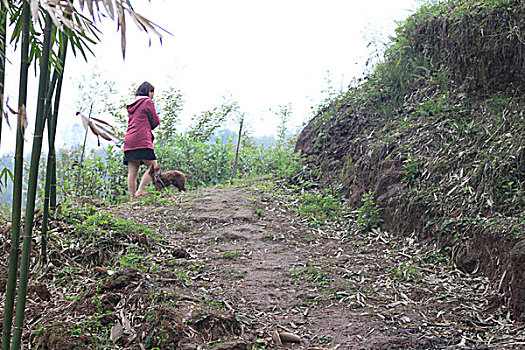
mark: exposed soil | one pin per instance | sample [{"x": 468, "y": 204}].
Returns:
[{"x": 237, "y": 268}]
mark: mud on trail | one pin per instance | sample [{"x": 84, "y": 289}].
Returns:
[{"x": 238, "y": 268}]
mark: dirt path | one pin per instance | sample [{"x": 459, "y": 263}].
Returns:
[{"x": 241, "y": 257}]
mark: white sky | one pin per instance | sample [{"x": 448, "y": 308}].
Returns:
[{"x": 262, "y": 53}]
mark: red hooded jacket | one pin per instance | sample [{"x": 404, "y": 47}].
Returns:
[{"x": 143, "y": 119}]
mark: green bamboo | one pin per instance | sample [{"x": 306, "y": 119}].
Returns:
[
  {"x": 51, "y": 127},
  {"x": 3, "y": 36},
  {"x": 53, "y": 191},
  {"x": 32, "y": 185},
  {"x": 53, "y": 187},
  {"x": 17, "y": 188}
]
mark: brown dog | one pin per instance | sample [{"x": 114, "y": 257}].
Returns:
[{"x": 163, "y": 180}]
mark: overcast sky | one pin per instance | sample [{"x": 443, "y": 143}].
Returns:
[{"x": 262, "y": 53}]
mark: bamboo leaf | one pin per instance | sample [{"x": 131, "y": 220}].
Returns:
[
  {"x": 85, "y": 120},
  {"x": 139, "y": 23},
  {"x": 103, "y": 132},
  {"x": 93, "y": 129},
  {"x": 116, "y": 332},
  {"x": 90, "y": 8},
  {"x": 22, "y": 117},
  {"x": 34, "y": 9},
  {"x": 4, "y": 115},
  {"x": 60, "y": 10},
  {"x": 122, "y": 25},
  {"x": 53, "y": 14},
  {"x": 101, "y": 121},
  {"x": 145, "y": 22},
  {"x": 98, "y": 128},
  {"x": 110, "y": 9},
  {"x": 98, "y": 7},
  {"x": 10, "y": 109}
]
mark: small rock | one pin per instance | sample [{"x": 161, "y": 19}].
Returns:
[{"x": 289, "y": 337}]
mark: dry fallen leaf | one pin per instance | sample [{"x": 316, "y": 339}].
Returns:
[
  {"x": 100, "y": 269},
  {"x": 116, "y": 332},
  {"x": 6, "y": 229},
  {"x": 277, "y": 338}
]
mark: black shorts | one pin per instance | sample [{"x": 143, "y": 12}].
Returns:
[{"x": 139, "y": 154}]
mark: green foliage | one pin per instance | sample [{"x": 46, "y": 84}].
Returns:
[
  {"x": 170, "y": 103},
  {"x": 205, "y": 124},
  {"x": 449, "y": 97},
  {"x": 319, "y": 206},
  {"x": 94, "y": 94},
  {"x": 6, "y": 184},
  {"x": 95, "y": 222},
  {"x": 103, "y": 177},
  {"x": 295, "y": 170},
  {"x": 412, "y": 169},
  {"x": 207, "y": 161},
  {"x": 369, "y": 214},
  {"x": 313, "y": 275},
  {"x": 404, "y": 272},
  {"x": 284, "y": 115},
  {"x": 5, "y": 176},
  {"x": 210, "y": 163}
]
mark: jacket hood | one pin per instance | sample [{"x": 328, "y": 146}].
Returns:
[{"x": 132, "y": 107}]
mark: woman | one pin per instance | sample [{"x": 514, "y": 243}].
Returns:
[{"x": 138, "y": 143}]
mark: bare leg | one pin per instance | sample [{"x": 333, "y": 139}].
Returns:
[
  {"x": 133, "y": 171},
  {"x": 146, "y": 178}
]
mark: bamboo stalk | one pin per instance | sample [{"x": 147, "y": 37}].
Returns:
[
  {"x": 52, "y": 117},
  {"x": 234, "y": 174},
  {"x": 3, "y": 36},
  {"x": 53, "y": 190},
  {"x": 32, "y": 186},
  {"x": 17, "y": 188},
  {"x": 47, "y": 191}
]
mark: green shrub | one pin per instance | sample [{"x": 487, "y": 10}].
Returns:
[
  {"x": 102, "y": 175},
  {"x": 369, "y": 216}
]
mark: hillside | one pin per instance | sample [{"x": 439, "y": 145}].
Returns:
[
  {"x": 435, "y": 138},
  {"x": 249, "y": 267}
]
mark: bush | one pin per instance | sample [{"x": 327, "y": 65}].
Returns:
[{"x": 102, "y": 174}]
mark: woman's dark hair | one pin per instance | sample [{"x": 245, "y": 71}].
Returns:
[{"x": 144, "y": 89}]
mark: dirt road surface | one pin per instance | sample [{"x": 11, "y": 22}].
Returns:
[{"x": 282, "y": 278}]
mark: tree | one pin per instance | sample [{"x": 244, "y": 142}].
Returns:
[
  {"x": 205, "y": 124},
  {"x": 284, "y": 114},
  {"x": 171, "y": 104}
]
